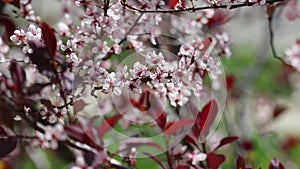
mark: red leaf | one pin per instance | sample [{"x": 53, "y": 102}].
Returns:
[
  {"x": 290, "y": 142},
  {"x": 107, "y": 124},
  {"x": 205, "y": 119},
  {"x": 173, "y": 3},
  {"x": 49, "y": 38},
  {"x": 246, "y": 145},
  {"x": 161, "y": 120},
  {"x": 174, "y": 126},
  {"x": 18, "y": 76},
  {"x": 240, "y": 163},
  {"x": 214, "y": 161},
  {"x": 206, "y": 43},
  {"x": 275, "y": 164},
  {"x": 78, "y": 134},
  {"x": 229, "y": 82},
  {"x": 7, "y": 145},
  {"x": 191, "y": 140},
  {"x": 156, "y": 110},
  {"x": 9, "y": 26},
  {"x": 223, "y": 142},
  {"x": 220, "y": 17}
]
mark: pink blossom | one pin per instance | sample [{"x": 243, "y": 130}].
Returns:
[
  {"x": 51, "y": 137},
  {"x": 197, "y": 157},
  {"x": 293, "y": 55}
]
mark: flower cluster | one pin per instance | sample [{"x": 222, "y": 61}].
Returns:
[
  {"x": 119, "y": 50},
  {"x": 20, "y": 37},
  {"x": 51, "y": 137}
]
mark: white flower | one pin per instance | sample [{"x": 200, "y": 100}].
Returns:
[
  {"x": 293, "y": 55},
  {"x": 139, "y": 70},
  {"x": 154, "y": 59},
  {"x": 117, "y": 49},
  {"x": 186, "y": 49},
  {"x": 63, "y": 29},
  {"x": 34, "y": 33},
  {"x": 196, "y": 157},
  {"x": 50, "y": 138},
  {"x": 18, "y": 37}
]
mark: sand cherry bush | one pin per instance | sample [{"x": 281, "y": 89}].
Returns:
[{"x": 115, "y": 82}]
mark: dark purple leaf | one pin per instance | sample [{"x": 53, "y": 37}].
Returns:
[
  {"x": 89, "y": 157},
  {"x": 205, "y": 119},
  {"x": 18, "y": 76},
  {"x": 2, "y": 132},
  {"x": 48, "y": 104},
  {"x": 15, "y": 3},
  {"x": 21, "y": 102},
  {"x": 49, "y": 38},
  {"x": 278, "y": 111},
  {"x": 246, "y": 145},
  {"x": 78, "y": 134},
  {"x": 223, "y": 142},
  {"x": 6, "y": 114},
  {"x": 107, "y": 124},
  {"x": 9, "y": 26},
  {"x": 182, "y": 167},
  {"x": 240, "y": 163},
  {"x": 214, "y": 161},
  {"x": 275, "y": 164},
  {"x": 41, "y": 57},
  {"x": 7, "y": 145},
  {"x": 36, "y": 88}
]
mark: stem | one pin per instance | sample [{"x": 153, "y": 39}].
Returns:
[
  {"x": 61, "y": 89},
  {"x": 106, "y": 6},
  {"x": 107, "y": 56},
  {"x": 192, "y": 9}
]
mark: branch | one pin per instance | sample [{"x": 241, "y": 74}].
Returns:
[
  {"x": 192, "y": 9},
  {"x": 271, "y": 33}
]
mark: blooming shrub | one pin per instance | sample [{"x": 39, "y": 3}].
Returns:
[{"x": 114, "y": 82}]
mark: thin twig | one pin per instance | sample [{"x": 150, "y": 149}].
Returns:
[
  {"x": 234, "y": 6},
  {"x": 271, "y": 33},
  {"x": 107, "y": 56}
]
